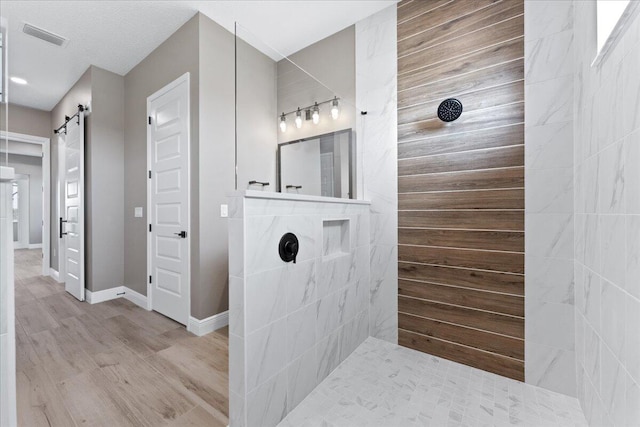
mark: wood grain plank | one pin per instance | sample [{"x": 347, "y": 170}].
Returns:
[
  {"x": 490, "y": 362},
  {"x": 475, "y": 279},
  {"x": 61, "y": 356},
  {"x": 476, "y": 100},
  {"x": 417, "y": 8},
  {"x": 486, "y": 57},
  {"x": 474, "y": 220},
  {"x": 461, "y": 184},
  {"x": 455, "y": 48},
  {"x": 460, "y": 25},
  {"x": 498, "y": 74},
  {"x": 502, "y": 157},
  {"x": 500, "y": 324},
  {"x": 470, "y": 121},
  {"x": 464, "y": 180},
  {"x": 38, "y": 400},
  {"x": 467, "y": 239},
  {"x": 506, "y": 346},
  {"x": 487, "y": 138},
  {"x": 481, "y": 300},
  {"x": 482, "y": 199},
  {"x": 35, "y": 318},
  {"x": 198, "y": 417},
  {"x": 509, "y": 262},
  {"x": 432, "y": 16}
]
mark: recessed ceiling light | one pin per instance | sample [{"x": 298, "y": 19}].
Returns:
[{"x": 18, "y": 80}]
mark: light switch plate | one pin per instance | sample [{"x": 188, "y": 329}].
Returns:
[
  {"x": 224, "y": 211},
  {"x": 137, "y": 212}
]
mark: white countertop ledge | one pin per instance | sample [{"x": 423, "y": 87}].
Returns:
[
  {"x": 6, "y": 174},
  {"x": 253, "y": 194}
]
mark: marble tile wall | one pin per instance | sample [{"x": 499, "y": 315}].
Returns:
[
  {"x": 377, "y": 139},
  {"x": 549, "y": 218},
  {"x": 292, "y": 324},
  {"x": 607, "y": 222}
]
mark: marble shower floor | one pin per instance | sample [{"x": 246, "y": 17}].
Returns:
[{"x": 382, "y": 384}]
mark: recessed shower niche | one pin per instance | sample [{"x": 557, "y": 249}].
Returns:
[{"x": 335, "y": 237}]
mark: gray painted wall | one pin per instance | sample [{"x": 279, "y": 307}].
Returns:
[
  {"x": 332, "y": 61},
  {"x": 257, "y": 118},
  {"x": 27, "y": 120},
  {"x": 32, "y": 166},
  {"x": 103, "y": 91},
  {"x": 104, "y": 167},
  {"x": 215, "y": 169},
  {"x": 174, "y": 57},
  {"x": 206, "y": 50}
]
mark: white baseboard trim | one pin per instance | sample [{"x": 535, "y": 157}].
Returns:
[
  {"x": 104, "y": 295},
  {"x": 56, "y": 276},
  {"x": 210, "y": 324},
  {"x": 136, "y": 298},
  {"x": 35, "y": 245}
]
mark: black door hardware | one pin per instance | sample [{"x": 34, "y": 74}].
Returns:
[
  {"x": 288, "y": 247},
  {"x": 62, "y": 221},
  {"x": 264, "y": 184},
  {"x": 182, "y": 234},
  {"x": 297, "y": 187}
]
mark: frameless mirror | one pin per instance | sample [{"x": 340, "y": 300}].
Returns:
[{"x": 318, "y": 166}]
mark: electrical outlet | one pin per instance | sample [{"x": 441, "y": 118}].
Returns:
[{"x": 224, "y": 211}]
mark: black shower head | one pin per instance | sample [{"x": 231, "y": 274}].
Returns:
[{"x": 449, "y": 110}]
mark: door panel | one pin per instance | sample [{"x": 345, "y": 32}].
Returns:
[
  {"x": 73, "y": 214},
  {"x": 169, "y": 200}
]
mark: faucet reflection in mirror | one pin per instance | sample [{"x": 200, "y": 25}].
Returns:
[{"x": 311, "y": 112}]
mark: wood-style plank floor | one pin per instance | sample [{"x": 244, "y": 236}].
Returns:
[{"x": 110, "y": 364}]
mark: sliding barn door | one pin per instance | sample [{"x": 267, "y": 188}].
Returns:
[{"x": 72, "y": 220}]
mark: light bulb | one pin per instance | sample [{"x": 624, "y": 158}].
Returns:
[
  {"x": 283, "y": 123},
  {"x": 335, "y": 112},
  {"x": 18, "y": 80},
  {"x": 298, "y": 119},
  {"x": 316, "y": 114}
]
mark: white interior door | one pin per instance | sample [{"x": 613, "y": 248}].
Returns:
[
  {"x": 168, "y": 147},
  {"x": 72, "y": 219}
]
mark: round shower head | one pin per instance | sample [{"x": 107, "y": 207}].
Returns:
[{"x": 449, "y": 110}]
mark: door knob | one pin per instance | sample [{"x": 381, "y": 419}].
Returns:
[{"x": 182, "y": 234}]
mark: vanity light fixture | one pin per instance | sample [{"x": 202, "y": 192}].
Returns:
[
  {"x": 311, "y": 112},
  {"x": 298, "y": 118},
  {"x": 335, "y": 111}
]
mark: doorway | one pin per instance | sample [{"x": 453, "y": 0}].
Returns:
[
  {"x": 20, "y": 210},
  {"x": 35, "y": 147},
  {"x": 168, "y": 151}
]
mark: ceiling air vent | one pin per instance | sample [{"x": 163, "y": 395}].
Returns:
[{"x": 44, "y": 35}]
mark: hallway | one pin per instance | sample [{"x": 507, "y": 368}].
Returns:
[{"x": 111, "y": 363}]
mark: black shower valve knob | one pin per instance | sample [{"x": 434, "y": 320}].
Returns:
[{"x": 288, "y": 247}]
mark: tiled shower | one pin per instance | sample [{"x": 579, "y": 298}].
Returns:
[{"x": 555, "y": 143}]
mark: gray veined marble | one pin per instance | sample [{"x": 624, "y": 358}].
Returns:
[
  {"x": 382, "y": 384},
  {"x": 292, "y": 324}
]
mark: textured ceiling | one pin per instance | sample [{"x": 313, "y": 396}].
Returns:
[{"x": 117, "y": 35}]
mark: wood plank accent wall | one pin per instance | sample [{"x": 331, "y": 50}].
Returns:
[{"x": 461, "y": 184}]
